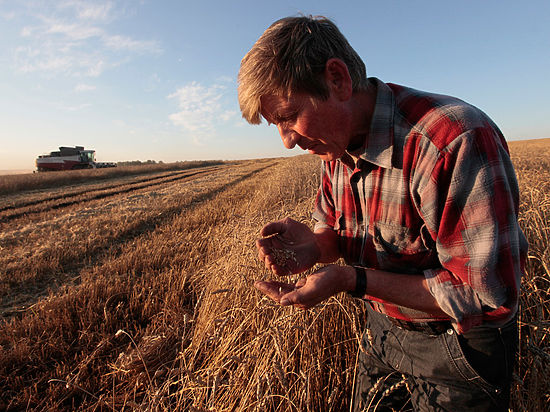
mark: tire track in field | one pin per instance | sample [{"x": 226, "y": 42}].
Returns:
[
  {"x": 81, "y": 191},
  {"x": 83, "y": 196},
  {"x": 19, "y": 298},
  {"x": 98, "y": 186}
]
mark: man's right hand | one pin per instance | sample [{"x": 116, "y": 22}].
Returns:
[{"x": 288, "y": 247}]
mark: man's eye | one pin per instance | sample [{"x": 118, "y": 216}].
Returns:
[{"x": 285, "y": 118}]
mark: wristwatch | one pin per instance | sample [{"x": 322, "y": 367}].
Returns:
[{"x": 360, "y": 282}]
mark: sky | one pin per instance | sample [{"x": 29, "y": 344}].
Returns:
[{"x": 157, "y": 79}]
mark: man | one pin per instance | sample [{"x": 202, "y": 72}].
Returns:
[{"x": 418, "y": 196}]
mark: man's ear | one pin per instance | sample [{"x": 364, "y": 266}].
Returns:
[{"x": 338, "y": 79}]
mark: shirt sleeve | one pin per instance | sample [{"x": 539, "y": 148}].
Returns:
[
  {"x": 324, "y": 212},
  {"x": 469, "y": 202}
]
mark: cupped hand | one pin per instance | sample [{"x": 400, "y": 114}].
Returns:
[
  {"x": 312, "y": 290},
  {"x": 288, "y": 247}
]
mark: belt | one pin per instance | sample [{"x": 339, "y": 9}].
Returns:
[{"x": 430, "y": 328}]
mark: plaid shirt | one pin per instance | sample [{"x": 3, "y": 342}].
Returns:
[{"x": 433, "y": 192}]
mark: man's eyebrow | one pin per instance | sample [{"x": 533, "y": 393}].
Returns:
[
  {"x": 275, "y": 116},
  {"x": 285, "y": 116}
]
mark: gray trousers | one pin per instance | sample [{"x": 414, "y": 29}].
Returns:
[{"x": 402, "y": 370}]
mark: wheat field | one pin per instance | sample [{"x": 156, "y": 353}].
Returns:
[{"x": 135, "y": 293}]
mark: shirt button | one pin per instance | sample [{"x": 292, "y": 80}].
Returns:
[{"x": 450, "y": 331}]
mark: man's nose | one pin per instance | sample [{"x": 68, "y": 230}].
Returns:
[{"x": 289, "y": 137}]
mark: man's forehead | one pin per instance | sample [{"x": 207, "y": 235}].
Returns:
[
  {"x": 271, "y": 103},
  {"x": 275, "y": 100}
]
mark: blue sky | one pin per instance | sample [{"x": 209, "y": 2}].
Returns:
[{"x": 156, "y": 79}]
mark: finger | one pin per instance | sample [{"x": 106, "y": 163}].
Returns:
[
  {"x": 263, "y": 249},
  {"x": 294, "y": 299},
  {"x": 265, "y": 253},
  {"x": 273, "y": 228},
  {"x": 280, "y": 270},
  {"x": 264, "y": 256},
  {"x": 266, "y": 243},
  {"x": 273, "y": 289},
  {"x": 300, "y": 297},
  {"x": 301, "y": 282},
  {"x": 272, "y": 266},
  {"x": 269, "y": 264}
]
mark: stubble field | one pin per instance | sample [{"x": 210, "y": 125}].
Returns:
[{"x": 135, "y": 293}]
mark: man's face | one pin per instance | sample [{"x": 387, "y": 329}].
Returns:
[{"x": 322, "y": 128}]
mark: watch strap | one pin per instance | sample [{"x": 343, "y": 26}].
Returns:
[{"x": 360, "y": 282}]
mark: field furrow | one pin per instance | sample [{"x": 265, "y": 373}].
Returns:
[{"x": 52, "y": 202}]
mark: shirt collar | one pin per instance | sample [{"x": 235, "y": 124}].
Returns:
[{"x": 378, "y": 148}]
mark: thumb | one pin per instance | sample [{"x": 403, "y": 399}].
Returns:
[
  {"x": 273, "y": 228},
  {"x": 295, "y": 297},
  {"x": 285, "y": 301},
  {"x": 301, "y": 282}
]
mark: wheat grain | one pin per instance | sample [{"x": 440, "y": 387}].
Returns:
[{"x": 282, "y": 256}]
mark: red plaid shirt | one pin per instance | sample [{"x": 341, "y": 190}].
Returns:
[{"x": 433, "y": 192}]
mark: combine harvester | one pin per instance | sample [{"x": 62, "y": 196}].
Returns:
[{"x": 70, "y": 158}]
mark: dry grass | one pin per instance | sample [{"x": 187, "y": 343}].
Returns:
[
  {"x": 532, "y": 387},
  {"x": 44, "y": 180},
  {"x": 152, "y": 305}
]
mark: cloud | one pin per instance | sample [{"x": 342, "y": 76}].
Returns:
[
  {"x": 152, "y": 82},
  {"x": 26, "y": 31},
  {"x": 198, "y": 106},
  {"x": 94, "y": 68},
  {"x": 84, "y": 87},
  {"x": 78, "y": 107},
  {"x": 75, "y": 38},
  {"x": 54, "y": 60},
  {"x": 118, "y": 42},
  {"x": 72, "y": 108},
  {"x": 74, "y": 32},
  {"x": 228, "y": 115},
  {"x": 7, "y": 15},
  {"x": 91, "y": 11},
  {"x": 201, "y": 109}
]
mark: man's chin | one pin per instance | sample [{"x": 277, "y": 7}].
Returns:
[{"x": 328, "y": 157}]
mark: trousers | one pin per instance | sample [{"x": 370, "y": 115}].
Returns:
[{"x": 404, "y": 370}]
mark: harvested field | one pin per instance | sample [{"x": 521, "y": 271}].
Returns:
[
  {"x": 16, "y": 183},
  {"x": 136, "y": 294},
  {"x": 23, "y": 205}
]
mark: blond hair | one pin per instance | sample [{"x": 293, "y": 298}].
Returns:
[{"x": 290, "y": 57}]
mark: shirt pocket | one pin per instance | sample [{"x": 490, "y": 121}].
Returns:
[{"x": 403, "y": 249}]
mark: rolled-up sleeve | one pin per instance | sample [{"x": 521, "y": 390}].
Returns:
[
  {"x": 469, "y": 203},
  {"x": 324, "y": 212}
]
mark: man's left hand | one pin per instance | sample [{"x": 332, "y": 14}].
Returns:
[{"x": 310, "y": 291}]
